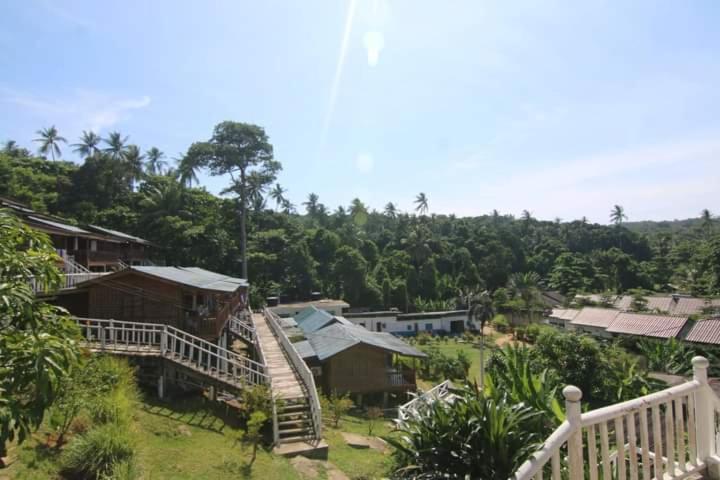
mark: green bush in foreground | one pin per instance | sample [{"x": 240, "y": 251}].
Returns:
[{"x": 99, "y": 452}]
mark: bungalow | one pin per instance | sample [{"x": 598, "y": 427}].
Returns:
[
  {"x": 705, "y": 331},
  {"x": 409, "y": 324},
  {"x": 347, "y": 358},
  {"x": 594, "y": 321},
  {"x": 647, "y": 325},
  {"x": 560, "y": 317},
  {"x": 190, "y": 298}
]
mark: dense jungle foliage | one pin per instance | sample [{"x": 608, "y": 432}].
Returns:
[{"x": 409, "y": 260}]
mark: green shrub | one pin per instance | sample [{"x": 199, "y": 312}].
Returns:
[
  {"x": 532, "y": 332},
  {"x": 501, "y": 323},
  {"x": 335, "y": 406},
  {"x": 98, "y": 452}
]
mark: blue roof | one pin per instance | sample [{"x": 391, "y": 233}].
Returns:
[
  {"x": 338, "y": 337},
  {"x": 312, "y": 319}
]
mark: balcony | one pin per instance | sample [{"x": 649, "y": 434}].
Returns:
[
  {"x": 68, "y": 280},
  {"x": 401, "y": 378}
]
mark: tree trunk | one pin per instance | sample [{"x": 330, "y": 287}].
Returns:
[{"x": 243, "y": 225}]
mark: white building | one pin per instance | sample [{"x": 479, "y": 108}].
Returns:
[
  {"x": 333, "y": 307},
  {"x": 408, "y": 324}
]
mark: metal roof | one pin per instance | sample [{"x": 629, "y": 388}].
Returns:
[
  {"x": 338, "y": 337},
  {"x": 195, "y": 277},
  {"x": 647, "y": 325},
  {"x": 564, "y": 313},
  {"x": 312, "y": 319},
  {"x": 705, "y": 331},
  {"x": 304, "y": 349},
  {"x": 115, "y": 233},
  {"x": 595, "y": 317},
  {"x": 60, "y": 226}
]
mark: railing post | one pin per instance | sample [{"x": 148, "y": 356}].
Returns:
[
  {"x": 163, "y": 341},
  {"x": 572, "y": 396},
  {"x": 101, "y": 332},
  {"x": 704, "y": 411}
]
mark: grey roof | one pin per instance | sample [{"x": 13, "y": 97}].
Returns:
[
  {"x": 61, "y": 226},
  {"x": 312, "y": 319},
  {"x": 195, "y": 277},
  {"x": 304, "y": 349},
  {"x": 647, "y": 325},
  {"x": 115, "y": 233},
  {"x": 338, "y": 337}
]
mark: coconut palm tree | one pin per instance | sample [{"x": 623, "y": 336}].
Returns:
[
  {"x": 311, "y": 205},
  {"x": 278, "y": 194},
  {"x": 525, "y": 285},
  {"x": 480, "y": 310},
  {"x": 135, "y": 163},
  {"x": 391, "y": 210},
  {"x": 186, "y": 171},
  {"x": 49, "y": 141},
  {"x": 155, "y": 162},
  {"x": 617, "y": 215},
  {"x": 116, "y": 146},
  {"x": 421, "y": 203},
  {"x": 88, "y": 144}
]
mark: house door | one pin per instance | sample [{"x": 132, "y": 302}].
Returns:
[{"x": 457, "y": 326}]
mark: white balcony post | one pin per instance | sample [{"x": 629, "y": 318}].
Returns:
[
  {"x": 704, "y": 410},
  {"x": 572, "y": 396},
  {"x": 163, "y": 341}
]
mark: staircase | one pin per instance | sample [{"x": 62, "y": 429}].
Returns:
[{"x": 222, "y": 368}]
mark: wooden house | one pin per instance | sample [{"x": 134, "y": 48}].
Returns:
[
  {"x": 347, "y": 358},
  {"x": 190, "y": 298}
]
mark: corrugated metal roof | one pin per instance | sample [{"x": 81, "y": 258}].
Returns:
[
  {"x": 338, "y": 337},
  {"x": 304, "y": 349},
  {"x": 60, "y": 226},
  {"x": 195, "y": 277},
  {"x": 595, "y": 317},
  {"x": 705, "y": 331},
  {"x": 647, "y": 325},
  {"x": 564, "y": 313},
  {"x": 312, "y": 319},
  {"x": 115, "y": 233}
]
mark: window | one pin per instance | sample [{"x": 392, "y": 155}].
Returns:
[
  {"x": 409, "y": 327},
  {"x": 362, "y": 324},
  {"x": 428, "y": 327},
  {"x": 93, "y": 245}
]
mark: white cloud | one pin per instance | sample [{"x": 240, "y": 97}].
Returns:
[
  {"x": 364, "y": 163},
  {"x": 83, "y": 109}
]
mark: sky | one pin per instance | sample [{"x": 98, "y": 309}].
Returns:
[{"x": 562, "y": 108}]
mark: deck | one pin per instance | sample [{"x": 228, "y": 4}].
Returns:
[{"x": 284, "y": 381}]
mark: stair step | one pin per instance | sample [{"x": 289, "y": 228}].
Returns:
[
  {"x": 295, "y": 430},
  {"x": 293, "y": 414},
  {"x": 294, "y": 439},
  {"x": 301, "y": 421}
]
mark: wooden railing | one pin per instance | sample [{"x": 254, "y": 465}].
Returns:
[
  {"x": 418, "y": 403},
  {"x": 301, "y": 368},
  {"x": 169, "y": 342},
  {"x": 669, "y": 434},
  {"x": 242, "y": 329}
]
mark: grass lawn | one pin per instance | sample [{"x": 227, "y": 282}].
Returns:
[{"x": 187, "y": 441}]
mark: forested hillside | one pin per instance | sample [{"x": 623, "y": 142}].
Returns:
[{"x": 410, "y": 260}]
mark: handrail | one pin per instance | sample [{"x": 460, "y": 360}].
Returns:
[
  {"x": 301, "y": 368},
  {"x": 242, "y": 329},
  {"x": 438, "y": 391},
  {"x": 176, "y": 345},
  {"x": 68, "y": 280},
  {"x": 679, "y": 420}
]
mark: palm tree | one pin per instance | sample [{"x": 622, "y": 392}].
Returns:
[
  {"x": 525, "y": 285},
  {"x": 617, "y": 215},
  {"x": 278, "y": 194},
  {"x": 391, "y": 210},
  {"x": 134, "y": 160},
  {"x": 12, "y": 149},
  {"x": 88, "y": 144},
  {"x": 480, "y": 310},
  {"x": 116, "y": 146},
  {"x": 421, "y": 203},
  {"x": 311, "y": 205},
  {"x": 707, "y": 220},
  {"x": 186, "y": 171},
  {"x": 49, "y": 141},
  {"x": 288, "y": 207},
  {"x": 155, "y": 162}
]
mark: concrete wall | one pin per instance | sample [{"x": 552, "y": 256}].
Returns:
[{"x": 396, "y": 324}]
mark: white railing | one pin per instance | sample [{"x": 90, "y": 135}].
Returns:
[
  {"x": 418, "y": 403},
  {"x": 70, "y": 265},
  {"x": 176, "y": 345},
  {"x": 67, "y": 280},
  {"x": 669, "y": 434},
  {"x": 242, "y": 329},
  {"x": 301, "y": 368}
]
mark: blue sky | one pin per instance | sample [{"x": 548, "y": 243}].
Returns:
[{"x": 560, "y": 108}]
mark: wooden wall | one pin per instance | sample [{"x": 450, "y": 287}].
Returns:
[{"x": 359, "y": 369}]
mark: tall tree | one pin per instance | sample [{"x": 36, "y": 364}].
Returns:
[
  {"x": 421, "y": 203},
  {"x": 116, "y": 146},
  {"x": 617, "y": 215},
  {"x": 50, "y": 141},
  {"x": 707, "y": 221},
  {"x": 480, "y": 310},
  {"x": 237, "y": 149},
  {"x": 526, "y": 286},
  {"x": 186, "y": 171},
  {"x": 278, "y": 194},
  {"x": 88, "y": 144},
  {"x": 135, "y": 164},
  {"x": 311, "y": 205},
  {"x": 391, "y": 210},
  {"x": 155, "y": 162}
]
